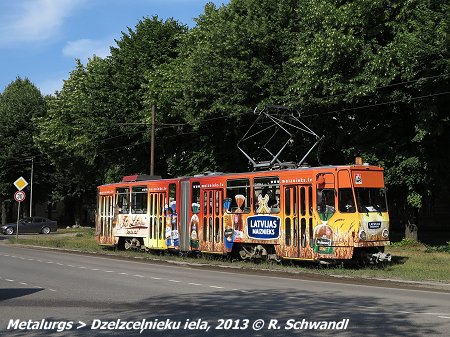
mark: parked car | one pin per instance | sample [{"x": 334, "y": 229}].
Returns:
[{"x": 35, "y": 224}]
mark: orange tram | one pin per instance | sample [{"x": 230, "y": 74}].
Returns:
[{"x": 326, "y": 214}]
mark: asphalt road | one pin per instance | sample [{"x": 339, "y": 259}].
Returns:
[{"x": 42, "y": 292}]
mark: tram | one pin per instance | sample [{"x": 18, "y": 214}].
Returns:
[{"x": 309, "y": 213}]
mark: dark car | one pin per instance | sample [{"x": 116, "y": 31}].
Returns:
[{"x": 35, "y": 224}]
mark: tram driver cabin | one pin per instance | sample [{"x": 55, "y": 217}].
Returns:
[{"x": 327, "y": 213}]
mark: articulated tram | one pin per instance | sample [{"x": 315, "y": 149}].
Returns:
[{"x": 327, "y": 213}]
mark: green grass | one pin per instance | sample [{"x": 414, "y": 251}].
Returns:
[{"x": 411, "y": 260}]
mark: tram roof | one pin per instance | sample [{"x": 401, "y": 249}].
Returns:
[{"x": 129, "y": 180}]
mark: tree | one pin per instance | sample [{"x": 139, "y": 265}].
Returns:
[
  {"x": 372, "y": 73},
  {"x": 230, "y": 62},
  {"x": 19, "y": 104}
]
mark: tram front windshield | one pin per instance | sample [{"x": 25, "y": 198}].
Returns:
[{"x": 371, "y": 200}]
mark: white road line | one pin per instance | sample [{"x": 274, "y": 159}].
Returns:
[
  {"x": 138, "y": 275},
  {"x": 82, "y": 267},
  {"x": 50, "y": 262},
  {"x": 196, "y": 284},
  {"x": 23, "y": 283},
  {"x": 216, "y": 287},
  {"x": 95, "y": 269},
  {"x": 109, "y": 271},
  {"x": 123, "y": 273},
  {"x": 7, "y": 279},
  {"x": 444, "y": 317},
  {"x": 174, "y": 281},
  {"x": 51, "y": 289},
  {"x": 30, "y": 259},
  {"x": 155, "y": 278}
]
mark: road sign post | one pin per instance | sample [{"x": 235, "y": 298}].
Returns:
[{"x": 19, "y": 196}]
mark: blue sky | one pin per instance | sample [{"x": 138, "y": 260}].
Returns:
[{"x": 40, "y": 39}]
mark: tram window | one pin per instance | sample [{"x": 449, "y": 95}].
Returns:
[
  {"x": 311, "y": 233},
  {"x": 288, "y": 232},
  {"x": 326, "y": 203},
  {"x": 266, "y": 195},
  {"x": 371, "y": 200},
  {"x": 205, "y": 228},
  {"x": 303, "y": 231},
  {"x": 295, "y": 238},
  {"x": 217, "y": 205},
  {"x": 302, "y": 201},
  {"x": 346, "y": 202},
  {"x": 287, "y": 201},
  {"x": 205, "y": 202},
  {"x": 217, "y": 230},
  {"x": 139, "y": 200},
  {"x": 238, "y": 191},
  {"x": 123, "y": 200},
  {"x": 195, "y": 197},
  {"x": 172, "y": 198},
  {"x": 210, "y": 230}
]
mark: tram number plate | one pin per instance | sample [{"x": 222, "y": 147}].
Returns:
[{"x": 374, "y": 225}]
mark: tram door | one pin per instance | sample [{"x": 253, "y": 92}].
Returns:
[
  {"x": 105, "y": 221},
  {"x": 298, "y": 221},
  {"x": 212, "y": 220},
  {"x": 157, "y": 202}
]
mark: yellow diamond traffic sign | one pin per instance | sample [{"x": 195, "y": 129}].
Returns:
[{"x": 20, "y": 183}]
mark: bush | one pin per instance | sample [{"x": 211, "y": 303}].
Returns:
[{"x": 439, "y": 249}]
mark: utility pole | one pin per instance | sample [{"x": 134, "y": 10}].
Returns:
[
  {"x": 152, "y": 144},
  {"x": 31, "y": 185}
]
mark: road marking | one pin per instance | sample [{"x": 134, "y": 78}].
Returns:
[
  {"x": 50, "y": 262},
  {"x": 95, "y": 269},
  {"x": 7, "y": 279},
  {"x": 82, "y": 267},
  {"x": 123, "y": 273},
  {"x": 174, "y": 281},
  {"x": 51, "y": 289},
  {"x": 23, "y": 283},
  {"x": 216, "y": 287},
  {"x": 444, "y": 317},
  {"x": 155, "y": 278},
  {"x": 139, "y": 275},
  {"x": 30, "y": 259},
  {"x": 196, "y": 284},
  {"x": 109, "y": 271},
  {"x": 69, "y": 265}
]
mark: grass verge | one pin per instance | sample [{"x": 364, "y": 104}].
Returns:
[{"x": 412, "y": 261}]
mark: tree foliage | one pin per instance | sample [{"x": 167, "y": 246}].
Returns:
[
  {"x": 370, "y": 75},
  {"x": 20, "y": 102}
]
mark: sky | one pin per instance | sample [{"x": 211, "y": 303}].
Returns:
[{"x": 41, "y": 39}]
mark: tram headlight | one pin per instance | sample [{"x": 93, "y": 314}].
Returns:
[
  {"x": 362, "y": 235},
  {"x": 385, "y": 233}
]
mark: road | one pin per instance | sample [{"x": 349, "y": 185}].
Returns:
[{"x": 43, "y": 291}]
